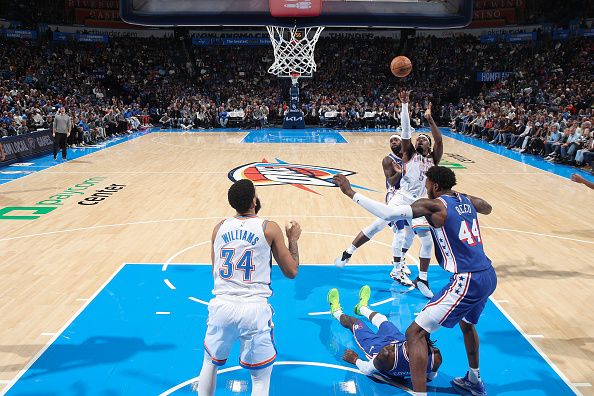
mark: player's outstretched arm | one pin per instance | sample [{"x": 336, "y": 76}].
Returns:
[
  {"x": 429, "y": 208},
  {"x": 481, "y": 206},
  {"x": 366, "y": 367},
  {"x": 407, "y": 147},
  {"x": 437, "y": 138},
  {"x": 287, "y": 258},
  {"x": 579, "y": 179}
]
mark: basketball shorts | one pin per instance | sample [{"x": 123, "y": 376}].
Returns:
[
  {"x": 417, "y": 224},
  {"x": 249, "y": 322},
  {"x": 463, "y": 298},
  {"x": 372, "y": 343}
]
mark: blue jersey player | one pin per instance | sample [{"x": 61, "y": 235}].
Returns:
[
  {"x": 459, "y": 249},
  {"x": 385, "y": 350}
]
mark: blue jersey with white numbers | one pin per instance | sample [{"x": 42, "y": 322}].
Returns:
[{"x": 458, "y": 243}]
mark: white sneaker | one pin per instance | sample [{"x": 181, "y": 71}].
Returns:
[
  {"x": 400, "y": 277},
  {"x": 423, "y": 287},
  {"x": 343, "y": 260}
]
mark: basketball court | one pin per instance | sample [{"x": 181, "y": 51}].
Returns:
[{"x": 108, "y": 297}]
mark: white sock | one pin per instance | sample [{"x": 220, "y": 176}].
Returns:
[
  {"x": 378, "y": 319},
  {"x": 207, "y": 381},
  {"x": 423, "y": 275},
  {"x": 474, "y": 375},
  {"x": 337, "y": 314},
  {"x": 365, "y": 311},
  {"x": 397, "y": 265},
  {"x": 351, "y": 249},
  {"x": 261, "y": 381}
]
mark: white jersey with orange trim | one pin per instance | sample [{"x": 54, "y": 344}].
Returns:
[
  {"x": 242, "y": 258},
  {"x": 412, "y": 184}
]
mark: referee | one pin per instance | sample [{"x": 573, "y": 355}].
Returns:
[{"x": 60, "y": 131}]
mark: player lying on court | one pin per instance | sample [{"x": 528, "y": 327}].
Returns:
[
  {"x": 454, "y": 225},
  {"x": 385, "y": 350},
  {"x": 241, "y": 252}
]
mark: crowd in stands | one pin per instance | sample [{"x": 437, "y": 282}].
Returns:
[{"x": 131, "y": 83}]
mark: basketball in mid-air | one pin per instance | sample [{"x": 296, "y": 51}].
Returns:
[{"x": 401, "y": 66}]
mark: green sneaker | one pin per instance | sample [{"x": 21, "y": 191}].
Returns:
[
  {"x": 364, "y": 295},
  {"x": 334, "y": 301}
]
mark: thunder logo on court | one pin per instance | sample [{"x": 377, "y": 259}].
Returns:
[{"x": 266, "y": 173}]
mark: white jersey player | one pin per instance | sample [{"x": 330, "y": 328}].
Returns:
[
  {"x": 242, "y": 251},
  {"x": 416, "y": 161},
  {"x": 392, "y": 167}
]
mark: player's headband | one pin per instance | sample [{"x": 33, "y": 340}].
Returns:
[
  {"x": 395, "y": 137},
  {"x": 426, "y": 137}
]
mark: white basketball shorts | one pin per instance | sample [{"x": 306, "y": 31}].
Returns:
[
  {"x": 246, "y": 320},
  {"x": 419, "y": 223}
]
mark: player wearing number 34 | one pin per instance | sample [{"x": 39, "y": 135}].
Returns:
[
  {"x": 242, "y": 251},
  {"x": 459, "y": 249}
]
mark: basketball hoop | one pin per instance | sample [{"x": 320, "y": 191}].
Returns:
[{"x": 293, "y": 51}]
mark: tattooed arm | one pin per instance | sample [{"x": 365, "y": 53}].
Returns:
[{"x": 287, "y": 258}]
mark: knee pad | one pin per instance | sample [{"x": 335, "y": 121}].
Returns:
[
  {"x": 409, "y": 236},
  {"x": 426, "y": 244},
  {"x": 397, "y": 243}
]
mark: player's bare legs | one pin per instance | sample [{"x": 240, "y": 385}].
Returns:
[
  {"x": 416, "y": 345},
  {"x": 364, "y": 236},
  {"x": 362, "y": 308},
  {"x": 336, "y": 310},
  {"x": 472, "y": 381}
]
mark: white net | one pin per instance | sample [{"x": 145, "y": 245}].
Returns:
[{"x": 293, "y": 50}]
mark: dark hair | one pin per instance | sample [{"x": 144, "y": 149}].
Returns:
[
  {"x": 444, "y": 177},
  {"x": 241, "y": 195}
]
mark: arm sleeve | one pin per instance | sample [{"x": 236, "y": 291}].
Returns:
[
  {"x": 388, "y": 213},
  {"x": 405, "y": 122},
  {"x": 366, "y": 367}
]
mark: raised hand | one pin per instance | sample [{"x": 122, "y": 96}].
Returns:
[
  {"x": 404, "y": 96},
  {"x": 293, "y": 230},
  {"x": 428, "y": 112}
]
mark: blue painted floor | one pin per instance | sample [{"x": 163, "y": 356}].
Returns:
[
  {"x": 294, "y": 136},
  {"x": 119, "y": 346}
]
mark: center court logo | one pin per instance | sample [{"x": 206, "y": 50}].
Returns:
[{"x": 280, "y": 173}]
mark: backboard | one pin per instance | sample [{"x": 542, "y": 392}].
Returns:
[{"x": 428, "y": 14}]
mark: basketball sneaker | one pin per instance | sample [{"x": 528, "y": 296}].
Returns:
[
  {"x": 400, "y": 277},
  {"x": 477, "y": 389},
  {"x": 343, "y": 260},
  {"x": 364, "y": 294},
  {"x": 423, "y": 287},
  {"x": 334, "y": 300}
]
